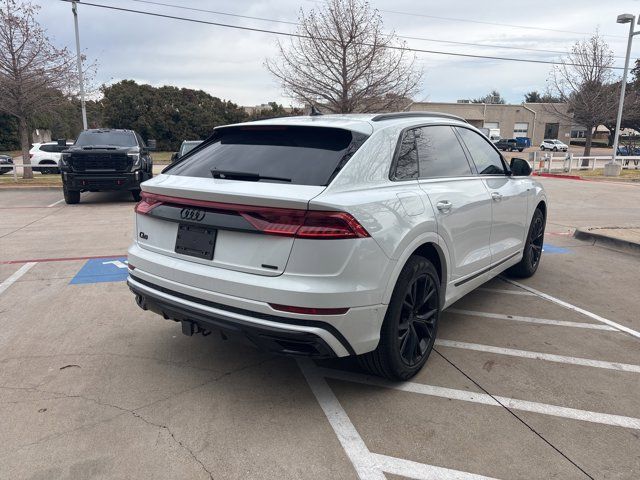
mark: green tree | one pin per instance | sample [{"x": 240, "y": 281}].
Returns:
[
  {"x": 491, "y": 97},
  {"x": 275, "y": 110},
  {"x": 167, "y": 114},
  {"x": 535, "y": 97}
]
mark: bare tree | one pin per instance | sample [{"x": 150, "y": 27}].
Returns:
[
  {"x": 33, "y": 71},
  {"x": 584, "y": 80},
  {"x": 344, "y": 62}
]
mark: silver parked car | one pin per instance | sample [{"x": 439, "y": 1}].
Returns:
[{"x": 334, "y": 235}]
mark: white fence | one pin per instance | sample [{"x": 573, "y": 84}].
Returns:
[
  {"x": 568, "y": 162},
  {"x": 23, "y": 166}
]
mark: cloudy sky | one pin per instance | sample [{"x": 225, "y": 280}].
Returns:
[{"x": 228, "y": 63}]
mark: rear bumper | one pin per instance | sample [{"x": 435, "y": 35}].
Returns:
[
  {"x": 268, "y": 332},
  {"x": 250, "y": 295},
  {"x": 115, "y": 181}
]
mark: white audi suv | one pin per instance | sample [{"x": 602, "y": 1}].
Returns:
[{"x": 334, "y": 235}]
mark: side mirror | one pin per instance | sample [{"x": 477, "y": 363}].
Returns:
[
  {"x": 151, "y": 145},
  {"x": 520, "y": 167}
]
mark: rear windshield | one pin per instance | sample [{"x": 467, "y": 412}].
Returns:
[
  {"x": 286, "y": 154},
  {"x": 112, "y": 139}
]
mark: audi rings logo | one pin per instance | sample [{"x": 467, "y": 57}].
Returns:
[{"x": 192, "y": 214}]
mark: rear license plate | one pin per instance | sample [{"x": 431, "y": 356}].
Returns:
[{"x": 196, "y": 241}]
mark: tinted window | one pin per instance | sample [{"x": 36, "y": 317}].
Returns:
[
  {"x": 107, "y": 138},
  {"x": 487, "y": 160},
  {"x": 407, "y": 163},
  {"x": 48, "y": 148},
  {"x": 305, "y": 155},
  {"x": 440, "y": 153}
]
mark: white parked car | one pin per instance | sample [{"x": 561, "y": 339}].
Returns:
[
  {"x": 47, "y": 156},
  {"x": 553, "y": 145},
  {"x": 334, "y": 235}
]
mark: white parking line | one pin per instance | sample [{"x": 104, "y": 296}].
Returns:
[
  {"x": 368, "y": 465},
  {"x": 587, "y": 362},
  {"x": 570, "y": 306},
  {"x": 420, "y": 471},
  {"x": 55, "y": 203},
  {"x": 504, "y": 290},
  {"x": 541, "y": 321},
  {"x": 16, "y": 275},
  {"x": 347, "y": 434},
  {"x": 485, "y": 399}
]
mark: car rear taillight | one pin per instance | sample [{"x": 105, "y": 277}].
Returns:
[
  {"x": 309, "y": 310},
  {"x": 147, "y": 203},
  {"x": 287, "y": 222}
]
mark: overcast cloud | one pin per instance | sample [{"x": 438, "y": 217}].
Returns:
[{"x": 228, "y": 63}]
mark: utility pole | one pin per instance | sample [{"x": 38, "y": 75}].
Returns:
[
  {"x": 74, "y": 9},
  {"x": 624, "y": 18}
]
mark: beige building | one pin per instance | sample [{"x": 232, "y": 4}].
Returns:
[{"x": 536, "y": 121}]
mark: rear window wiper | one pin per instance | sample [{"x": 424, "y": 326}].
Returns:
[{"x": 248, "y": 176}]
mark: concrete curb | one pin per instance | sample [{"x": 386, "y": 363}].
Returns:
[{"x": 607, "y": 240}]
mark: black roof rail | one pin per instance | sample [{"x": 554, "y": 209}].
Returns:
[{"x": 392, "y": 116}]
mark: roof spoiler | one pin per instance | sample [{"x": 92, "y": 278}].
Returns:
[{"x": 396, "y": 115}]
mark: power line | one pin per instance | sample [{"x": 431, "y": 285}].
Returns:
[
  {"x": 481, "y": 22},
  {"x": 406, "y": 37},
  {"x": 216, "y": 12},
  {"x": 298, "y": 35}
]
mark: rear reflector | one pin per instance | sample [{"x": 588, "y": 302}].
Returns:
[
  {"x": 287, "y": 222},
  {"x": 309, "y": 310}
]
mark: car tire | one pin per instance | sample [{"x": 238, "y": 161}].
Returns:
[
  {"x": 71, "y": 197},
  {"x": 520, "y": 149},
  {"x": 532, "y": 250},
  {"x": 555, "y": 149},
  {"x": 49, "y": 171},
  {"x": 410, "y": 325},
  {"x": 135, "y": 194},
  {"x": 542, "y": 148}
]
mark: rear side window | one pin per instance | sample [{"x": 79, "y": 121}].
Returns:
[
  {"x": 287, "y": 154},
  {"x": 440, "y": 153},
  {"x": 407, "y": 162},
  {"x": 488, "y": 161}
]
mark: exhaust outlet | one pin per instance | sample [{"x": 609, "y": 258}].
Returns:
[{"x": 141, "y": 303}]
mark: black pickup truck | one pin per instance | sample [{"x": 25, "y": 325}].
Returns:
[{"x": 105, "y": 159}]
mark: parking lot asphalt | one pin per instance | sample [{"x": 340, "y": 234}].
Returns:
[{"x": 534, "y": 379}]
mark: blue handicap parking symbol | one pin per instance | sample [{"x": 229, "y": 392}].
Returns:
[
  {"x": 99, "y": 270},
  {"x": 548, "y": 248}
]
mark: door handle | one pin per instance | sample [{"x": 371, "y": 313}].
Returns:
[
  {"x": 496, "y": 196},
  {"x": 444, "y": 206}
]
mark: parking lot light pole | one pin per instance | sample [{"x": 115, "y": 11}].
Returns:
[
  {"x": 624, "y": 18},
  {"x": 74, "y": 9}
]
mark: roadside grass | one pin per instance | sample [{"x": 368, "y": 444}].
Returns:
[
  {"x": 630, "y": 174},
  {"x": 6, "y": 180},
  {"x": 161, "y": 158}
]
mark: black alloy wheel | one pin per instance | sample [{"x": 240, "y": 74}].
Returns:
[
  {"x": 532, "y": 252},
  {"x": 410, "y": 324},
  {"x": 418, "y": 317},
  {"x": 535, "y": 240}
]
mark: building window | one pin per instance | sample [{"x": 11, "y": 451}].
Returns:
[
  {"x": 521, "y": 130},
  {"x": 578, "y": 133}
]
